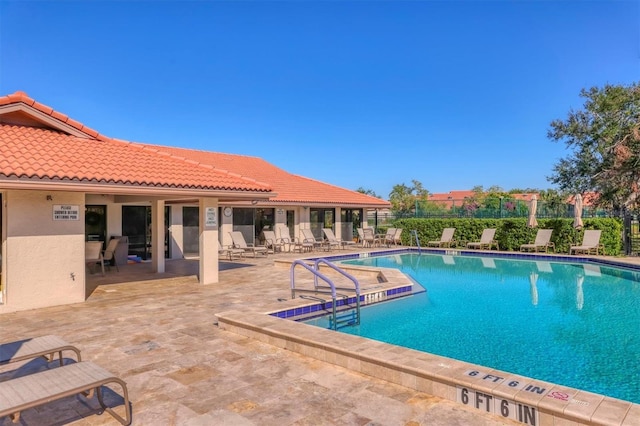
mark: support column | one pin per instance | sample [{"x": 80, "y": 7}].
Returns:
[
  {"x": 157, "y": 235},
  {"x": 209, "y": 222}
]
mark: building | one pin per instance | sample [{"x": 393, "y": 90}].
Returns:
[{"x": 63, "y": 183}]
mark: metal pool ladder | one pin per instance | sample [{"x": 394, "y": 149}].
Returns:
[
  {"x": 414, "y": 234},
  {"x": 346, "y": 317}
]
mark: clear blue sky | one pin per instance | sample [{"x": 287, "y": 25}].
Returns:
[{"x": 368, "y": 94}]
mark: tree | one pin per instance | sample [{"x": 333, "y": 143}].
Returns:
[
  {"x": 368, "y": 192},
  {"x": 404, "y": 199},
  {"x": 605, "y": 141}
]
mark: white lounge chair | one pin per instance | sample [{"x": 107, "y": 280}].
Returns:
[
  {"x": 541, "y": 243},
  {"x": 446, "y": 239},
  {"x": 34, "y": 347},
  {"x": 333, "y": 241},
  {"x": 230, "y": 251},
  {"x": 590, "y": 243},
  {"x": 272, "y": 242},
  {"x": 309, "y": 238},
  {"x": 486, "y": 240},
  {"x": 240, "y": 242},
  {"x": 37, "y": 389}
]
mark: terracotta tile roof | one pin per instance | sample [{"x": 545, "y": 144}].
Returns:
[
  {"x": 290, "y": 188},
  {"x": 45, "y": 154}
]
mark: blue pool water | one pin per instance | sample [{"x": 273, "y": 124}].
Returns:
[{"x": 576, "y": 325}]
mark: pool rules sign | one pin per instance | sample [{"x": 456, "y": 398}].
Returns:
[{"x": 66, "y": 212}]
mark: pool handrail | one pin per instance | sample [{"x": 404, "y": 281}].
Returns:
[
  {"x": 316, "y": 274},
  {"x": 339, "y": 270},
  {"x": 415, "y": 233}
]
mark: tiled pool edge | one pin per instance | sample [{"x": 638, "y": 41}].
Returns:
[{"x": 432, "y": 374}]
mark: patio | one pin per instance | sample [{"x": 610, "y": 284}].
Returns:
[{"x": 158, "y": 333}]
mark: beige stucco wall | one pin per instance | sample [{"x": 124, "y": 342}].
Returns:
[{"x": 44, "y": 259}]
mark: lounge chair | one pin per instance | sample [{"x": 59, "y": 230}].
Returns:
[
  {"x": 333, "y": 241},
  {"x": 541, "y": 243},
  {"x": 397, "y": 239},
  {"x": 109, "y": 254},
  {"x": 34, "y": 390},
  {"x": 590, "y": 243},
  {"x": 42, "y": 346},
  {"x": 230, "y": 251},
  {"x": 292, "y": 244},
  {"x": 272, "y": 242},
  {"x": 446, "y": 239},
  {"x": 239, "y": 242},
  {"x": 309, "y": 238},
  {"x": 486, "y": 240},
  {"x": 93, "y": 255}
]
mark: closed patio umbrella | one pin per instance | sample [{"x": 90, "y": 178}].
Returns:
[
  {"x": 577, "y": 211},
  {"x": 533, "y": 206}
]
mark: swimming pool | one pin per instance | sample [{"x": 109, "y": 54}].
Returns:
[{"x": 574, "y": 324}]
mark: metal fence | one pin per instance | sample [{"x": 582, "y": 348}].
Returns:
[{"x": 500, "y": 209}]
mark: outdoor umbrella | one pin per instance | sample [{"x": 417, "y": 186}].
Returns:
[
  {"x": 533, "y": 206},
  {"x": 577, "y": 218}
]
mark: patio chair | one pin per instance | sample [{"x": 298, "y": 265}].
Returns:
[
  {"x": 42, "y": 346},
  {"x": 389, "y": 237},
  {"x": 542, "y": 242},
  {"x": 230, "y": 251},
  {"x": 366, "y": 239},
  {"x": 446, "y": 239},
  {"x": 309, "y": 238},
  {"x": 240, "y": 242},
  {"x": 35, "y": 390},
  {"x": 271, "y": 242},
  {"x": 397, "y": 239},
  {"x": 109, "y": 254},
  {"x": 590, "y": 243},
  {"x": 486, "y": 240},
  {"x": 93, "y": 255},
  {"x": 370, "y": 237},
  {"x": 291, "y": 243},
  {"x": 333, "y": 241}
]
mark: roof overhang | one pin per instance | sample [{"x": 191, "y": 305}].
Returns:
[{"x": 135, "y": 191}]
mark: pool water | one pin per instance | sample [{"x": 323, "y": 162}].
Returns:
[{"x": 576, "y": 325}]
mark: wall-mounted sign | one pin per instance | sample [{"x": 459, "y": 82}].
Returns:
[
  {"x": 211, "y": 216},
  {"x": 66, "y": 212}
]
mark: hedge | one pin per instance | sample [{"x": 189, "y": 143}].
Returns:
[{"x": 513, "y": 232}]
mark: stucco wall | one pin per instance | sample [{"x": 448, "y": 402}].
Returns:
[{"x": 44, "y": 258}]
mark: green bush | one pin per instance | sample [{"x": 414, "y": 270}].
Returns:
[{"x": 511, "y": 233}]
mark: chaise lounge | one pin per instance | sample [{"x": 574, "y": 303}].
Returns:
[
  {"x": 446, "y": 239},
  {"x": 34, "y": 390},
  {"x": 590, "y": 243},
  {"x": 42, "y": 346},
  {"x": 486, "y": 240},
  {"x": 239, "y": 242},
  {"x": 541, "y": 243}
]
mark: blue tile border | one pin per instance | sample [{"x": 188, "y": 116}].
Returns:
[
  {"x": 322, "y": 308},
  {"x": 497, "y": 255}
]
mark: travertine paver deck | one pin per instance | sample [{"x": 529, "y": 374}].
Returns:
[{"x": 159, "y": 335}]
